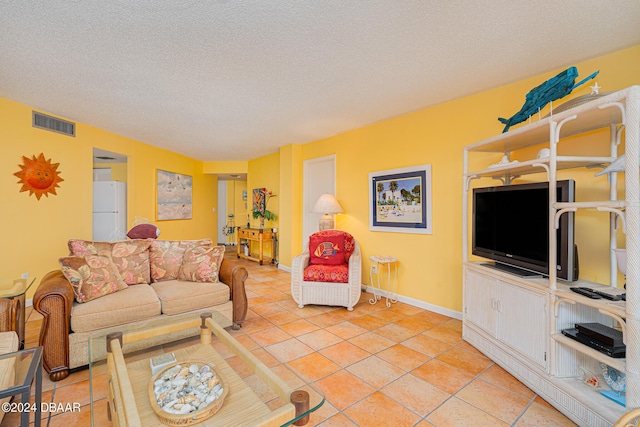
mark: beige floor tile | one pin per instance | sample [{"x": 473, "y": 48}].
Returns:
[
  {"x": 466, "y": 361},
  {"x": 369, "y": 322},
  {"x": 314, "y": 366},
  {"x": 372, "y": 342},
  {"x": 443, "y": 376},
  {"x": 269, "y": 336},
  {"x": 343, "y": 389},
  {"x": 289, "y": 350},
  {"x": 380, "y": 410},
  {"x": 403, "y": 357},
  {"x": 345, "y": 353},
  {"x": 375, "y": 371},
  {"x": 282, "y": 317},
  {"x": 299, "y": 327},
  {"x": 325, "y": 319},
  {"x": 498, "y": 376},
  {"x": 319, "y": 339},
  {"x": 389, "y": 315},
  {"x": 426, "y": 345},
  {"x": 396, "y": 332},
  {"x": 269, "y": 308},
  {"x": 337, "y": 420},
  {"x": 444, "y": 334},
  {"x": 456, "y": 413},
  {"x": 346, "y": 330},
  {"x": 494, "y": 400},
  {"x": 542, "y": 416},
  {"x": 432, "y": 317},
  {"x": 415, "y": 323},
  {"x": 416, "y": 394}
]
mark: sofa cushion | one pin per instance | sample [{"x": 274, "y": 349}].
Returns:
[
  {"x": 129, "y": 305},
  {"x": 9, "y": 342},
  {"x": 166, "y": 256},
  {"x": 180, "y": 297},
  {"x": 91, "y": 276},
  {"x": 326, "y": 273},
  {"x": 130, "y": 256},
  {"x": 326, "y": 248},
  {"x": 201, "y": 264}
]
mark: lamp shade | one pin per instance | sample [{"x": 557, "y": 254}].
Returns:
[{"x": 328, "y": 205}]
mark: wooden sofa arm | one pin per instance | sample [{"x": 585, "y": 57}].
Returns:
[
  {"x": 233, "y": 274},
  {"x": 53, "y": 299}
]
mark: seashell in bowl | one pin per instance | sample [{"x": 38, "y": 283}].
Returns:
[{"x": 186, "y": 393}]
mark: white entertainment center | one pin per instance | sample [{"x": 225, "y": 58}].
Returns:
[{"x": 517, "y": 322}]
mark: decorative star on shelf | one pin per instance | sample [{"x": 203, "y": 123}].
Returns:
[{"x": 594, "y": 89}]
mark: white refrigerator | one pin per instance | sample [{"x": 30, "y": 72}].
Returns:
[{"x": 109, "y": 210}]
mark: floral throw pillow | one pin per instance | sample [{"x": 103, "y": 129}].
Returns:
[
  {"x": 91, "y": 276},
  {"x": 130, "y": 257},
  {"x": 166, "y": 256},
  {"x": 201, "y": 264}
]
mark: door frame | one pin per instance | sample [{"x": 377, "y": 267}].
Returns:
[{"x": 310, "y": 219}]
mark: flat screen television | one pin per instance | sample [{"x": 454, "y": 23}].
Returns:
[{"x": 511, "y": 227}]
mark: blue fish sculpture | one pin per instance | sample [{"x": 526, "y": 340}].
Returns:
[{"x": 555, "y": 88}]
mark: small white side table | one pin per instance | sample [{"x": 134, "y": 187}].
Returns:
[{"x": 388, "y": 262}]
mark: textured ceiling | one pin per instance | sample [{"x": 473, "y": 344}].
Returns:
[{"x": 235, "y": 80}]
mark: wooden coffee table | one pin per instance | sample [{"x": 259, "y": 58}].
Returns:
[{"x": 257, "y": 396}]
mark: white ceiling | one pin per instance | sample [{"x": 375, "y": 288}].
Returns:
[{"x": 234, "y": 80}]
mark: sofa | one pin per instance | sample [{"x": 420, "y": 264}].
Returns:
[
  {"x": 9, "y": 343},
  {"x": 102, "y": 286}
]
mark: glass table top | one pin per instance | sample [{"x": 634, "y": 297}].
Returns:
[
  {"x": 140, "y": 343},
  {"x": 10, "y": 288}
]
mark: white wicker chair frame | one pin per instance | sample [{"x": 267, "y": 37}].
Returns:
[{"x": 327, "y": 293}]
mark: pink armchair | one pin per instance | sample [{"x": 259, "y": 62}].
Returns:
[{"x": 328, "y": 272}]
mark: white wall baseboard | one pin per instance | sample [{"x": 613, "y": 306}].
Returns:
[{"x": 417, "y": 303}]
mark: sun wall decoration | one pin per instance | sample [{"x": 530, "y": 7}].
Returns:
[{"x": 38, "y": 176}]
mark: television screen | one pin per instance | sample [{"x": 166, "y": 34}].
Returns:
[{"x": 511, "y": 226}]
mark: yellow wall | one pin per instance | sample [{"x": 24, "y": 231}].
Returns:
[
  {"x": 35, "y": 232},
  {"x": 431, "y": 265}
]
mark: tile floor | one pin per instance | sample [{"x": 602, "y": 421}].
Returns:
[{"x": 376, "y": 366}]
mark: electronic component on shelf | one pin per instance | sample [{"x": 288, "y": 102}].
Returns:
[
  {"x": 611, "y": 296},
  {"x": 587, "y": 292}
]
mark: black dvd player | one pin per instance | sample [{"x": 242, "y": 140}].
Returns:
[
  {"x": 609, "y": 350},
  {"x": 602, "y": 333}
]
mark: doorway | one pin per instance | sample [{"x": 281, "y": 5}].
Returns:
[{"x": 319, "y": 178}]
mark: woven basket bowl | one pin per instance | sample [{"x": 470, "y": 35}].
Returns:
[{"x": 191, "y": 418}]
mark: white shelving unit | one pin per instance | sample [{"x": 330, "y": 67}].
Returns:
[{"x": 517, "y": 322}]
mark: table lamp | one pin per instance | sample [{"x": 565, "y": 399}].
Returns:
[{"x": 328, "y": 205}]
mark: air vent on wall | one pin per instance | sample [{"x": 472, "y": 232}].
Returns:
[{"x": 43, "y": 121}]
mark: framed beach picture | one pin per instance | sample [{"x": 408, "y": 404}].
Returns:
[
  {"x": 174, "y": 195},
  {"x": 400, "y": 200}
]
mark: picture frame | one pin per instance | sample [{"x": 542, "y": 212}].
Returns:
[
  {"x": 400, "y": 200},
  {"x": 174, "y": 196}
]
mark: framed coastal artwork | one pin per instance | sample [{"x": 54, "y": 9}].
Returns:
[
  {"x": 400, "y": 200},
  {"x": 175, "y": 195}
]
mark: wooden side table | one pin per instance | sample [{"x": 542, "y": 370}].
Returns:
[
  {"x": 388, "y": 262},
  {"x": 263, "y": 237}
]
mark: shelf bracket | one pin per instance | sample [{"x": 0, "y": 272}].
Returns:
[
  {"x": 556, "y": 306},
  {"x": 559, "y": 214},
  {"x": 618, "y": 319},
  {"x": 543, "y": 166},
  {"x": 620, "y": 105},
  {"x": 468, "y": 182},
  {"x": 560, "y": 124},
  {"x": 620, "y": 215}
]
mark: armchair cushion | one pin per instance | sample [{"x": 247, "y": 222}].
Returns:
[
  {"x": 327, "y": 273},
  {"x": 92, "y": 276}
]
